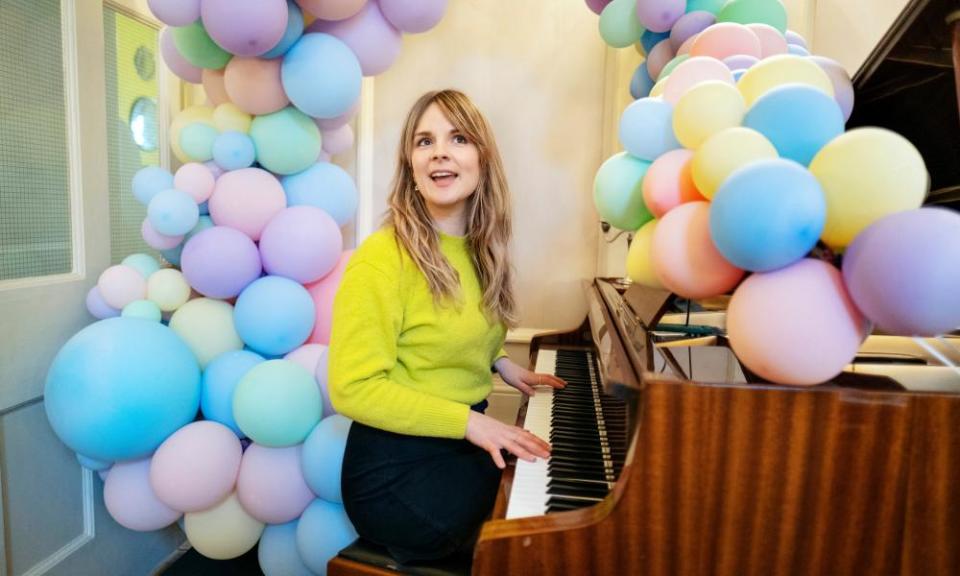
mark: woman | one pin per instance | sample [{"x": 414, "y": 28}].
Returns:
[{"x": 418, "y": 323}]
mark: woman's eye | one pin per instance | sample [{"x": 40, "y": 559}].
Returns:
[
  {"x": 460, "y": 139},
  {"x": 423, "y": 142}
]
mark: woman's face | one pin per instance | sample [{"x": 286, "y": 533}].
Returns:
[{"x": 446, "y": 165}]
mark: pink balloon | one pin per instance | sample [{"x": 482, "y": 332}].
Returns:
[
  {"x": 414, "y": 16},
  {"x": 175, "y": 12},
  {"x": 691, "y": 72},
  {"x": 658, "y": 57},
  {"x": 685, "y": 258},
  {"x": 322, "y": 293},
  {"x": 245, "y": 27},
  {"x": 175, "y": 61},
  {"x": 668, "y": 182},
  {"x": 685, "y": 47},
  {"x": 370, "y": 36},
  {"x": 213, "y": 86},
  {"x": 332, "y": 9},
  {"x": 120, "y": 285},
  {"x": 131, "y": 501},
  {"x": 323, "y": 156},
  {"x": 597, "y": 6},
  {"x": 271, "y": 487},
  {"x": 660, "y": 15},
  {"x": 338, "y": 140},
  {"x": 334, "y": 123},
  {"x": 196, "y": 467},
  {"x": 196, "y": 180},
  {"x": 253, "y": 84},
  {"x": 302, "y": 243},
  {"x": 842, "y": 85},
  {"x": 313, "y": 357},
  {"x": 157, "y": 240},
  {"x": 726, "y": 39},
  {"x": 246, "y": 199},
  {"x": 825, "y": 328},
  {"x": 772, "y": 41}
]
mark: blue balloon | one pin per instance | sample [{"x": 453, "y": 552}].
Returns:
[
  {"x": 737, "y": 74},
  {"x": 322, "y": 456},
  {"x": 291, "y": 34},
  {"x": 277, "y": 551},
  {"x": 767, "y": 215},
  {"x": 234, "y": 150},
  {"x": 646, "y": 129},
  {"x": 641, "y": 83},
  {"x": 173, "y": 212},
  {"x": 326, "y": 186},
  {"x": 220, "y": 379},
  {"x": 148, "y": 181},
  {"x": 797, "y": 119},
  {"x": 321, "y": 76},
  {"x": 145, "y": 264},
  {"x": 650, "y": 39},
  {"x": 322, "y": 532},
  {"x": 274, "y": 315},
  {"x": 119, "y": 387}
]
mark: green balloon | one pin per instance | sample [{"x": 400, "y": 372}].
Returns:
[
  {"x": 676, "y": 61},
  {"x": 619, "y": 26},
  {"x": 277, "y": 403},
  {"x": 770, "y": 12},
  {"x": 196, "y": 141},
  {"x": 711, "y": 6},
  {"x": 196, "y": 46},
  {"x": 145, "y": 264},
  {"x": 145, "y": 309},
  {"x": 287, "y": 141},
  {"x": 617, "y": 192}
]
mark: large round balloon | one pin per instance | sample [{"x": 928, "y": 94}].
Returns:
[
  {"x": 797, "y": 119},
  {"x": 779, "y": 70},
  {"x": 277, "y": 404},
  {"x": 220, "y": 262},
  {"x": 253, "y": 84},
  {"x": 371, "y": 37},
  {"x": 247, "y": 28},
  {"x": 321, "y": 75},
  {"x": 131, "y": 501},
  {"x": 219, "y": 382},
  {"x": 668, "y": 183},
  {"x": 302, "y": 243},
  {"x": 323, "y": 456},
  {"x": 619, "y": 26},
  {"x": 325, "y": 186},
  {"x": 646, "y": 129},
  {"x": 706, "y": 109},
  {"x": 274, "y": 315},
  {"x": 246, "y": 200},
  {"x": 723, "y": 153},
  {"x": 119, "y": 387},
  {"x": 287, "y": 141},
  {"x": 618, "y": 191},
  {"x": 207, "y": 326},
  {"x": 224, "y": 531},
  {"x": 271, "y": 484},
  {"x": 323, "y": 531},
  {"x": 196, "y": 467},
  {"x": 196, "y": 46}
]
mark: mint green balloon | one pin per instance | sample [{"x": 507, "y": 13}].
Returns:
[
  {"x": 617, "y": 192},
  {"x": 197, "y": 48},
  {"x": 770, "y": 12},
  {"x": 277, "y": 403},
  {"x": 619, "y": 26},
  {"x": 144, "y": 309},
  {"x": 711, "y": 6},
  {"x": 196, "y": 141},
  {"x": 145, "y": 264},
  {"x": 287, "y": 141},
  {"x": 676, "y": 61}
]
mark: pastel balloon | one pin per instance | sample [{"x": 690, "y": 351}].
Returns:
[
  {"x": 131, "y": 501},
  {"x": 771, "y": 12},
  {"x": 619, "y": 26},
  {"x": 196, "y": 180},
  {"x": 842, "y": 85},
  {"x": 691, "y": 72},
  {"x": 726, "y": 39},
  {"x": 157, "y": 240},
  {"x": 224, "y": 531},
  {"x": 685, "y": 258},
  {"x": 797, "y": 50},
  {"x": 640, "y": 266},
  {"x": 196, "y": 46},
  {"x": 797, "y": 119},
  {"x": 669, "y": 68},
  {"x": 321, "y": 75},
  {"x": 173, "y": 212},
  {"x": 207, "y": 327},
  {"x": 772, "y": 41},
  {"x": 711, "y": 6},
  {"x": 310, "y": 356},
  {"x": 196, "y": 141},
  {"x": 143, "y": 309},
  {"x": 659, "y": 56},
  {"x": 795, "y": 39},
  {"x": 97, "y": 306},
  {"x": 779, "y": 70},
  {"x": 277, "y": 552},
  {"x": 660, "y": 15},
  {"x": 640, "y": 82},
  {"x": 254, "y": 85},
  {"x": 597, "y": 6},
  {"x": 705, "y": 109},
  {"x": 371, "y": 37},
  {"x": 291, "y": 34},
  {"x": 274, "y": 315},
  {"x": 220, "y": 262},
  {"x": 168, "y": 289},
  {"x": 302, "y": 243},
  {"x": 150, "y": 180},
  {"x": 618, "y": 193},
  {"x": 649, "y": 39},
  {"x": 175, "y": 60},
  {"x": 234, "y": 150},
  {"x": 323, "y": 457},
  {"x": 332, "y": 9},
  {"x": 323, "y": 380},
  {"x": 219, "y": 382},
  {"x": 325, "y": 186},
  {"x": 186, "y": 117},
  {"x": 277, "y": 404},
  {"x": 867, "y": 174},
  {"x": 688, "y": 25},
  {"x": 196, "y": 467},
  {"x": 228, "y": 117},
  {"x": 286, "y": 141},
  {"x": 896, "y": 275},
  {"x": 337, "y": 141},
  {"x": 826, "y": 329},
  {"x": 246, "y": 200},
  {"x": 646, "y": 129},
  {"x": 322, "y": 292},
  {"x": 684, "y": 48},
  {"x": 338, "y": 121},
  {"x": 145, "y": 264},
  {"x": 245, "y": 28},
  {"x": 175, "y": 12},
  {"x": 213, "y": 86},
  {"x": 723, "y": 153},
  {"x": 668, "y": 183},
  {"x": 323, "y": 530},
  {"x": 739, "y": 62},
  {"x": 271, "y": 486},
  {"x": 120, "y": 285}
]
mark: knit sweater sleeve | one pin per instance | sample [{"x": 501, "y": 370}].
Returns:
[{"x": 367, "y": 320}]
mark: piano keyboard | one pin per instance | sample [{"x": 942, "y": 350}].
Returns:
[{"x": 587, "y": 432}]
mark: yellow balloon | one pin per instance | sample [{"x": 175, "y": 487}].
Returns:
[
  {"x": 640, "y": 257},
  {"x": 657, "y": 89},
  {"x": 706, "y": 109},
  {"x": 202, "y": 114},
  {"x": 782, "y": 69},
  {"x": 224, "y": 531},
  {"x": 207, "y": 327},
  {"x": 867, "y": 174},
  {"x": 229, "y": 117},
  {"x": 168, "y": 289},
  {"x": 723, "y": 153}
]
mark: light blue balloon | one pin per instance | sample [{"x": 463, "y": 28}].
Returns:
[
  {"x": 92, "y": 463},
  {"x": 145, "y": 264},
  {"x": 650, "y": 39},
  {"x": 119, "y": 387},
  {"x": 234, "y": 150},
  {"x": 287, "y": 141},
  {"x": 196, "y": 141},
  {"x": 322, "y": 532},
  {"x": 618, "y": 192},
  {"x": 220, "y": 380},
  {"x": 173, "y": 212},
  {"x": 767, "y": 215},
  {"x": 172, "y": 255},
  {"x": 277, "y": 551},
  {"x": 641, "y": 83},
  {"x": 277, "y": 403},
  {"x": 143, "y": 309},
  {"x": 150, "y": 180},
  {"x": 646, "y": 129},
  {"x": 797, "y": 50},
  {"x": 291, "y": 34},
  {"x": 321, "y": 76},
  {"x": 798, "y": 120},
  {"x": 274, "y": 315},
  {"x": 326, "y": 186},
  {"x": 737, "y": 74},
  {"x": 322, "y": 457}
]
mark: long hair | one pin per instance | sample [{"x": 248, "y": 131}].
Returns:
[{"x": 488, "y": 226}]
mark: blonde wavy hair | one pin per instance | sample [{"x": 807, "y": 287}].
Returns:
[{"x": 488, "y": 225}]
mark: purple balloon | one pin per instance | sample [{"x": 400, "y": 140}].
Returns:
[
  {"x": 597, "y": 5},
  {"x": 740, "y": 61},
  {"x": 302, "y": 243},
  {"x": 901, "y": 272},
  {"x": 842, "y": 85},
  {"x": 413, "y": 16},
  {"x": 795, "y": 39},
  {"x": 245, "y": 27},
  {"x": 660, "y": 15},
  {"x": 370, "y": 36},
  {"x": 689, "y": 24},
  {"x": 220, "y": 262},
  {"x": 98, "y": 307},
  {"x": 175, "y": 61},
  {"x": 175, "y": 12}
]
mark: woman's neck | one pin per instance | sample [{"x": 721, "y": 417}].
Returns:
[{"x": 453, "y": 224}]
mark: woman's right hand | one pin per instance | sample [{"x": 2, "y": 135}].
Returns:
[{"x": 492, "y": 435}]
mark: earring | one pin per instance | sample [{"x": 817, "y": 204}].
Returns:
[{"x": 416, "y": 188}]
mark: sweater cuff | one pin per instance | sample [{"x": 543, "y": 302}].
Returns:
[{"x": 445, "y": 419}]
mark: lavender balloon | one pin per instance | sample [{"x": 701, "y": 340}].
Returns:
[
  {"x": 660, "y": 15},
  {"x": 175, "y": 12},
  {"x": 689, "y": 24},
  {"x": 372, "y": 38},
  {"x": 795, "y": 39},
  {"x": 220, "y": 262},
  {"x": 98, "y": 307},
  {"x": 175, "y": 61},
  {"x": 740, "y": 61},
  {"x": 245, "y": 27},
  {"x": 842, "y": 85},
  {"x": 414, "y": 16},
  {"x": 302, "y": 243},
  {"x": 901, "y": 272}
]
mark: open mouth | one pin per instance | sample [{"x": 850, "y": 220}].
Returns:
[{"x": 443, "y": 177}]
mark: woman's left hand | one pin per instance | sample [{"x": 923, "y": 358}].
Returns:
[{"x": 525, "y": 380}]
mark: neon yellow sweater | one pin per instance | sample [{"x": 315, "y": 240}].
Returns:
[{"x": 396, "y": 361}]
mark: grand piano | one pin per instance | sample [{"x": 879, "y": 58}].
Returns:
[{"x": 670, "y": 458}]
